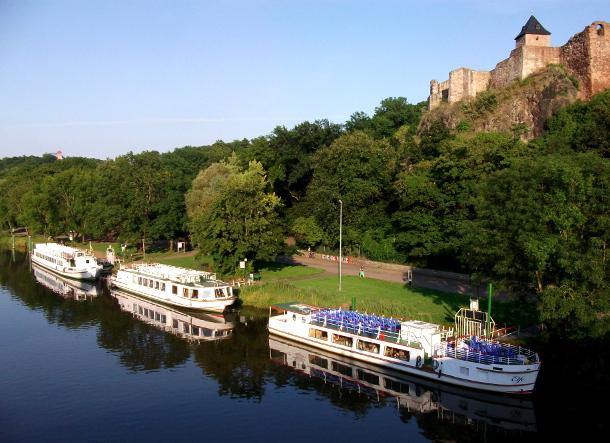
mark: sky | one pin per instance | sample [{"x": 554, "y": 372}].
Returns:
[{"x": 99, "y": 79}]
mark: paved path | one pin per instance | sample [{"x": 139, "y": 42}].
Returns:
[{"x": 419, "y": 279}]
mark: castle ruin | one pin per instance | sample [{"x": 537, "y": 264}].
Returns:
[{"x": 586, "y": 56}]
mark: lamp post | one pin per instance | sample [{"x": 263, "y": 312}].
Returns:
[{"x": 340, "y": 235}]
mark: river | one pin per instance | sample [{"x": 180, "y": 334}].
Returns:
[{"x": 84, "y": 363}]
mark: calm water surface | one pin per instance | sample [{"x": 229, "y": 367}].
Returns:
[{"x": 90, "y": 364}]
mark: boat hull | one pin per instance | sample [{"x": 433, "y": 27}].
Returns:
[
  {"x": 505, "y": 379},
  {"x": 200, "y": 305},
  {"x": 76, "y": 273}
]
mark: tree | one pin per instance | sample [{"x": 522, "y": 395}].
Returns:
[
  {"x": 234, "y": 216},
  {"x": 286, "y": 155},
  {"x": 358, "y": 170},
  {"x": 546, "y": 224}
]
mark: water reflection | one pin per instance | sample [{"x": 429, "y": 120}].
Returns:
[
  {"x": 188, "y": 325},
  {"x": 67, "y": 288},
  {"x": 414, "y": 396}
]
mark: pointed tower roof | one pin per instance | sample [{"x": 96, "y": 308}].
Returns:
[{"x": 532, "y": 26}]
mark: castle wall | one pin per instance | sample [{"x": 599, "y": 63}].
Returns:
[
  {"x": 534, "y": 40},
  {"x": 586, "y": 55}
]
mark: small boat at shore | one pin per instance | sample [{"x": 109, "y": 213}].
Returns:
[
  {"x": 70, "y": 262},
  {"x": 172, "y": 285},
  {"x": 415, "y": 347},
  {"x": 190, "y": 326}
]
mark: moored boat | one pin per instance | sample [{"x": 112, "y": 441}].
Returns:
[
  {"x": 191, "y": 326},
  {"x": 414, "y": 347},
  {"x": 70, "y": 262},
  {"x": 184, "y": 288},
  {"x": 454, "y": 404},
  {"x": 66, "y": 287}
]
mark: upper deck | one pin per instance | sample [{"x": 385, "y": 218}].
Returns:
[{"x": 173, "y": 273}]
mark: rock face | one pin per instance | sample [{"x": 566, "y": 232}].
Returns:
[{"x": 521, "y": 107}]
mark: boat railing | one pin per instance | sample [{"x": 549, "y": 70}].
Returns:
[
  {"x": 486, "y": 352},
  {"x": 366, "y": 325},
  {"x": 174, "y": 273}
]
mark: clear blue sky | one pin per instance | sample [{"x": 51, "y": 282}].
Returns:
[{"x": 101, "y": 78}]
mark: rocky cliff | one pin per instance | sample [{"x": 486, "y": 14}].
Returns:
[{"x": 521, "y": 108}]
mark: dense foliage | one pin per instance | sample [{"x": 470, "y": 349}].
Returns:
[{"x": 534, "y": 217}]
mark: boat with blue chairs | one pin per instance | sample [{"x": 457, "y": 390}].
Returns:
[{"x": 416, "y": 347}]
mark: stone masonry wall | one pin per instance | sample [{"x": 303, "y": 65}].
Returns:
[{"x": 586, "y": 55}]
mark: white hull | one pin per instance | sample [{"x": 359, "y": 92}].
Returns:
[
  {"x": 426, "y": 356},
  {"x": 189, "y": 326},
  {"x": 69, "y": 262},
  {"x": 160, "y": 283},
  {"x": 411, "y": 393},
  {"x": 68, "y": 288}
]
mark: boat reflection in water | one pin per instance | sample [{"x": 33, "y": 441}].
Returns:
[
  {"x": 66, "y": 287},
  {"x": 416, "y": 395},
  {"x": 189, "y": 325}
]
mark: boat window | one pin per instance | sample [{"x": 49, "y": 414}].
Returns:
[
  {"x": 150, "y": 283},
  {"x": 318, "y": 361},
  {"x": 156, "y": 285},
  {"x": 316, "y": 333},
  {"x": 185, "y": 328},
  {"x": 157, "y": 316},
  {"x": 464, "y": 371},
  {"x": 139, "y": 280},
  {"x": 342, "y": 369},
  {"x": 367, "y": 377},
  {"x": 163, "y": 319},
  {"x": 140, "y": 310},
  {"x": 219, "y": 293},
  {"x": 163, "y": 287},
  {"x": 342, "y": 340},
  {"x": 135, "y": 308},
  {"x": 400, "y": 354},
  {"x": 396, "y": 386},
  {"x": 185, "y": 292},
  {"x": 195, "y": 293},
  {"x": 207, "y": 333},
  {"x": 175, "y": 323},
  {"x": 145, "y": 312},
  {"x": 174, "y": 289},
  {"x": 367, "y": 346},
  {"x": 195, "y": 330},
  {"x": 145, "y": 282}
]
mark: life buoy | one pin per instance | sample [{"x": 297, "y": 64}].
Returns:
[
  {"x": 435, "y": 365},
  {"x": 418, "y": 361}
]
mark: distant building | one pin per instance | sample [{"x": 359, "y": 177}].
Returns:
[
  {"x": 586, "y": 56},
  {"x": 59, "y": 155}
]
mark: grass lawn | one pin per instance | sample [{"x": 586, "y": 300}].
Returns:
[{"x": 371, "y": 295}]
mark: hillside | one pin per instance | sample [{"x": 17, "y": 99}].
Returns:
[{"x": 521, "y": 108}]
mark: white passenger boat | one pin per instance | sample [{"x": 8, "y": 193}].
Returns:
[
  {"x": 454, "y": 404},
  {"x": 66, "y": 287},
  {"x": 70, "y": 262},
  {"x": 415, "y": 347},
  {"x": 191, "y": 326},
  {"x": 185, "y": 288}
]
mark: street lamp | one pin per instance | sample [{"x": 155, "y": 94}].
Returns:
[{"x": 340, "y": 235}]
